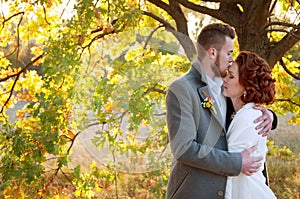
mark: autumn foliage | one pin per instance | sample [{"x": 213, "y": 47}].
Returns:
[{"x": 70, "y": 66}]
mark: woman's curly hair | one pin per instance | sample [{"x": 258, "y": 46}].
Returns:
[{"x": 255, "y": 76}]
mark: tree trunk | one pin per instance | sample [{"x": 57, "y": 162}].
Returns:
[{"x": 252, "y": 20}]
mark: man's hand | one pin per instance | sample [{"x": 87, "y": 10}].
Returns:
[
  {"x": 250, "y": 164},
  {"x": 267, "y": 118}
]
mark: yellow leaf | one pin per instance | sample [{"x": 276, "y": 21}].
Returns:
[
  {"x": 13, "y": 193},
  {"x": 4, "y": 62},
  {"x": 71, "y": 134},
  {"x": 108, "y": 106}
]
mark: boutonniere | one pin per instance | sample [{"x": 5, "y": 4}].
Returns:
[{"x": 208, "y": 102}]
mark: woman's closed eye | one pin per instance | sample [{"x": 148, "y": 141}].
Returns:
[{"x": 229, "y": 74}]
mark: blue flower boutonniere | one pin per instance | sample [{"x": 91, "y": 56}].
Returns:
[{"x": 208, "y": 102}]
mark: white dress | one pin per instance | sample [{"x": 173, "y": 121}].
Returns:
[{"x": 241, "y": 134}]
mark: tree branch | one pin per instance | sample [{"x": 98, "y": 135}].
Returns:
[
  {"x": 63, "y": 11},
  {"x": 18, "y": 41},
  {"x": 278, "y": 30},
  {"x": 272, "y": 8},
  {"x": 225, "y": 1},
  {"x": 285, "y": 24},
  {"x": 10, "y": 93},
  {"x": 23, "y": 69},
  {"x": 289, "y": 101},
  {"x": 179, "y": 17},
  {"x": 285, "y": 44},
  {"x": 67, "y": 177},
  {"x": 162, "y": 5},
  {"x": 154, "y": 89},
  {"x": 221, "y": 13},
  {"x": 175, "y": 11},
  {"x": 99, "y": 37},
  {"x": 73, "y": 141},
  {"x": 219, "y": 1},
  {"x": 166, "y": 24},
  {"x": 9, "y": 18},
  {"x": 198, "y": 8},
  {"x": 101, "y": 28},
  {"x": 151, "y": 34},
  {"x": 183, "y": 39},
  {"x": 12, "y": 52},
  {"x": 45, "y": 13},
  {"x": 296, "y": 76},
  {"x": 17, "y": 75}
]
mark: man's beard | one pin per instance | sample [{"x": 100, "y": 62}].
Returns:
[{"x": 216, "y": 68}]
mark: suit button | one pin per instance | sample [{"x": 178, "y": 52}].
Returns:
[{"x": 220, "y": 193}]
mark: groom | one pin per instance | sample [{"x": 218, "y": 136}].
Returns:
[{"x": 197, "y": 118}]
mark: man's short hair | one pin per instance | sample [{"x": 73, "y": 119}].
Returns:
[{"x": 213, "y": 35}]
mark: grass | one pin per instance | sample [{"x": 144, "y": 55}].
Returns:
[
  {"x": 286, "y": 134},
  {"x": 284, "y": 164},
  {"x": 283, "y": 168}
]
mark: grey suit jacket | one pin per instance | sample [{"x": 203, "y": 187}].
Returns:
[{"x": 198, "y": 143}]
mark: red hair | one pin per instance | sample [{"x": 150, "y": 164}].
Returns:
[{"x": 255, "y": 76}]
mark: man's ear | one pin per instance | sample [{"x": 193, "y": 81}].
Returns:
[{"x": 212, "y": 53}]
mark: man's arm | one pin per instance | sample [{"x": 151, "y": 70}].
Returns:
[
  {"x": 183, "y": 132},
  {"x": 269, "y": 119},
  {"x": 250, "y": 164},
  {"x": 184, "y": 147}
]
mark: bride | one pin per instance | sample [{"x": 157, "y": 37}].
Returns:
[{"x": 248, "y": 83}]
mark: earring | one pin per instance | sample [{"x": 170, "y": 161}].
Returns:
[{"x": 245, "y": 93}]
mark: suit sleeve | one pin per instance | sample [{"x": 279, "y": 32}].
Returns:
[
  {"x": 275, "y": 120},
  {"x": 183, "y": 131}
]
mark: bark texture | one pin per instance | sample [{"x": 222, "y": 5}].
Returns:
[{"x": 253, "y": 21}]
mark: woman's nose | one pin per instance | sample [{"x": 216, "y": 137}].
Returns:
[{"x": 225, "y": 78}]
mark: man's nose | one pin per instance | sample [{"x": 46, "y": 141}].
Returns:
[{"x": 230, "y": 60}]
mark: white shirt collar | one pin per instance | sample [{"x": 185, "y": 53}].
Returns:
[{"x": 215, "y": 84}]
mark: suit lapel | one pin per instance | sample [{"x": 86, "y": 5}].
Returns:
[
  {"x": 196, "y": 66},
  {"x": 203, "y": 91}
]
